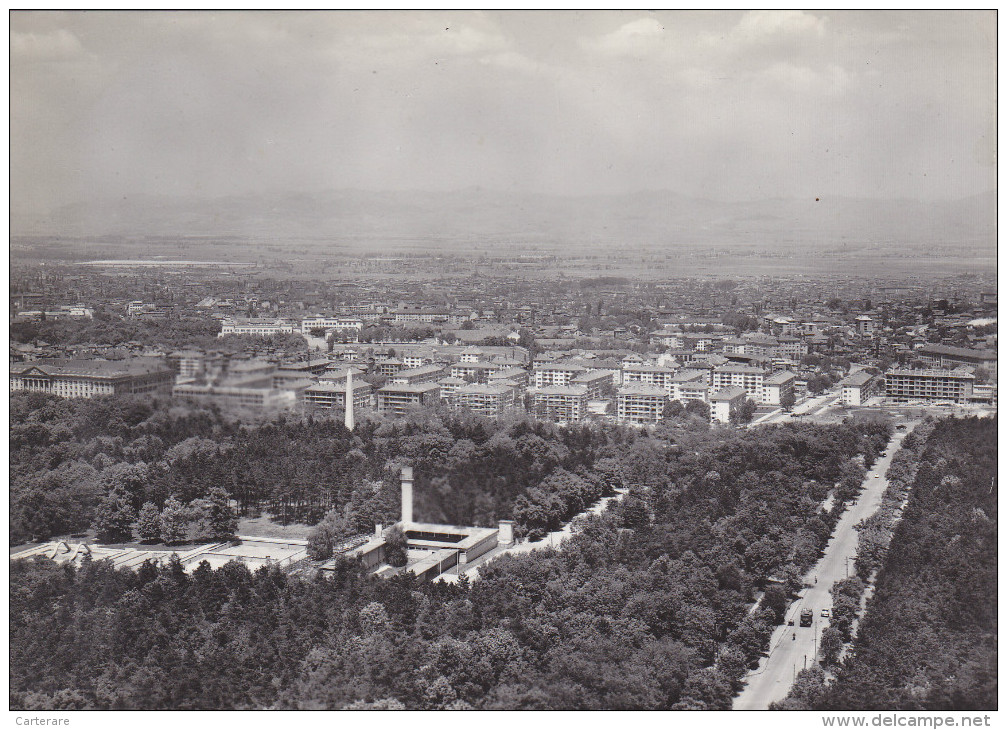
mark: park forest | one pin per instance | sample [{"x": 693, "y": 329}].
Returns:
[{"x": 645, "y": 607}]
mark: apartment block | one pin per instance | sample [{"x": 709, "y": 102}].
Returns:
[
  {"x": 725, "y": 403},
  {"x": 560, "y": 403},
  {"x": 929, "y": 385},
  {"x": 556, "y": 374},
  {"x": 486, "y": 400},
  {"x": 743, "y": 376},
  {"x": 422, "y": 374},
  {"x": 778, "y": 386},
  {"x": 641, "y": 403}
]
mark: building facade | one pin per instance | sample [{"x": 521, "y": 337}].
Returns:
[
  {"x": 725, "y": 403},
  {"x": 397, "y": 400},
  {"x": 856, "y": 388},
  {"x": 92, "y": 378},
  {"x": 954, "y": 386},
  {"x": 742, "y": 376},
  {"x": 641, "y": 403},
  {"x": 559, "y": 403}
]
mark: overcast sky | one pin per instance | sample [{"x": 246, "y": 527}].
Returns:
[{"x": 735, "y": 105}]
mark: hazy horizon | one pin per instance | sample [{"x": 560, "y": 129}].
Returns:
[{"x": 725, "y": 106}]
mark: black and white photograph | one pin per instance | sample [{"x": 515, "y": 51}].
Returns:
[{"x": 503, "y": 360}]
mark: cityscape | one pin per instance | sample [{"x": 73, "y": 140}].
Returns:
[{"x": 607, "y": 446}]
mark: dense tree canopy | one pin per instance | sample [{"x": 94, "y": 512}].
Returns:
[{"x": 646, "y": 607}]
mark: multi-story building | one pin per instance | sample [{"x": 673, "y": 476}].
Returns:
[
  {"x": 307, "y": 368},
  {"x": 694, "y": 390},
  {"x": 667, "y": 338},
  {"x": 777, "y": 387},
  {"x": 744, "y": 376},
  {"x": 471, "y": 354},
  {"x": 945, "y": 356},
  {"x": 473, "y": 372},
  {"x": 690, "y": 384},
  {"x": 91, "y": 378},
  {"x": 699, "y": 341},
  {"x": 237, "y": 396},
  {"x": 255, "y": 326},
  {"x": 517, "y": 375},
  {"x": 597, "y": 382},
  {"x": 560, "y": 403},
  {"x": 449, "y": 386},
  {"x": 331, "y": 395},
  {"x": 757, "y": 343},
  {"x": 865, "y": 326},
  {"x": 857, "y": 387},
  {"x": 330, "y": 323},
  {"x": 397, "y": 400},
  {"x": 650, "y": 375},
  {"x": 792, "y": 347},
  {"x": 641, "y": 403},
  {"x": 415, "y": 358},
  {"x": 487, "y": 400},
  {"x": 407, "y": 315},
  {"x": 725, "y": 403},
  {"x": 556, "y": 374},
  {"x": 422, "y": 374},
  {"x": 954, "y": 386},
  {"x": 388, "y": 368},
  {"x": 186, "y": 363}
]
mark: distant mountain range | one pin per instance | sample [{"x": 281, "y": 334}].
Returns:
[{"x": 648, "y": 218}]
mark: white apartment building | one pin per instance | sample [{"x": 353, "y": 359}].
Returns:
[{"x": 743, "y": 376}]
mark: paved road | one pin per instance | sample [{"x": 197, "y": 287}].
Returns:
[{"x": 772, "y": 680}]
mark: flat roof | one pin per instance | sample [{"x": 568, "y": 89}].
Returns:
[
  {"x": 472, "y": 535},
  {"x": 956, "y": 373}
]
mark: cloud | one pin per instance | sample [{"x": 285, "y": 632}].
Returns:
[
  {"x": 635, "y": 38},
  {"x": 769, "y": 25},
  {"x": 58, "y": 45}
]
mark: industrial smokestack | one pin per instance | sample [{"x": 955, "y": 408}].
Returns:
[
  {"x": 349, "y": 400},
  {"x": 407, "y": 494}
]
